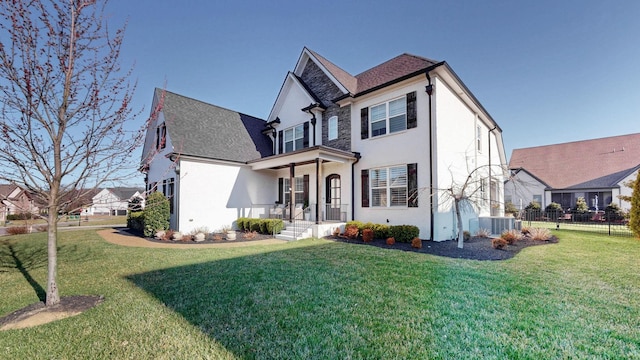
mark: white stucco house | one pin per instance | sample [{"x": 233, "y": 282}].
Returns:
[
  {"x": 375, "y": 147},
  {"x": 595, "y": 169},
  {"x": 113, "y": 201}
]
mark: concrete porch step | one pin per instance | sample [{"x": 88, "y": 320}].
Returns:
[{"x": 288, "y": 234}]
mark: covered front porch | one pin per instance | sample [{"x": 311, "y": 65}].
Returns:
[{"x": 313, "y": 184}]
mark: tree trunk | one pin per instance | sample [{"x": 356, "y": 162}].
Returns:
[
  {"x": 460, "y": 227},
  {"x": 52, "y": 250}
]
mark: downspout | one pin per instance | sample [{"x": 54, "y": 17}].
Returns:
[
  {"x": 353, "y": 184},
  {"x": 429, "y": 90},
  {"x": 489, "y": 146}
]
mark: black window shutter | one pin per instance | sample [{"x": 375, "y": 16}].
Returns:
[
  {"x": 280, "y": 140},
  {"x": 280, "y": 189},
  {"x": 365, "y": 188},
  {"x": 305, "y": 135},
  {"x": 364, "y": 123},
  {"x": 305, "y": 189},
  {"x": 412, "y": 118},
  {"x": 412, "y": 172}
]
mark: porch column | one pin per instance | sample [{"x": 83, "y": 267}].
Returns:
[
  {"x": 318, "y": 197},
  {"x": 292, "y": 187}
]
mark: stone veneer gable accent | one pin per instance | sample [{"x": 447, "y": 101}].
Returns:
[{"x": 325, "y": 90}]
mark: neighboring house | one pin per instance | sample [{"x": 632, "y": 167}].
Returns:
[
  {"x": 15, "y": 200},
  {"x": 113, "y": 201},
  {"x": 375, "y": 147},
  {"x": 594, "y": 169}
]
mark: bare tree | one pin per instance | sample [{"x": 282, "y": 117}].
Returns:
[
  {"x": 465, "y": 195},
  {"x": 65, "y": 105}
]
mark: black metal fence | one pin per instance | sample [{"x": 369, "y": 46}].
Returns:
[{"x": 610, "y": 223}]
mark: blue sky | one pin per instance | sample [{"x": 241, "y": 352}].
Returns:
[{"x": 547, "y": 71}]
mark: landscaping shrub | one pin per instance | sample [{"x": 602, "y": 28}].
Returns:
[
  {"x": 274, "y": 226},
  {"x": 380, "y": 231},
  {"x": 483, "y": 233},
  {"x": 17, "y": 230},
  {"x": 499, "y": 243},
  {"x": 241, "y": 224},
  {"x": 368, "y": 225},
  {"x": 533, "y": 206},
  {"x": 358, "y": 224},
  {"x": 416, "y": 243},
  {"x": 250, "y": 235},
  {"x": 135, "y": 221},
  {"x": 581, "y": 205},
  {"x": 20, "y": 216},
  {"x": 466, "y": 236},
  {"x": 553, "y": 210},
  {"x": 511, "y": 236},
  {"x": 541, "y": 234},
  {"x": 404, "y": 233},
  {"x": 156, "y": 214},
  {"x": 510, "y": 208},
  {"x": 367, "y": 235},
  {"x": 613, "y": 212},
  {"x": 351, "y": 231},
  {"x": 260, "y": 226},
  {"x": 391, "y": 241}
]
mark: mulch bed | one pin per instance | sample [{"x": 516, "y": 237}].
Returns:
[
  {"x": 72, "y": 304},
  {"x": 475, "y": 249},
  {"x": 241, "y": 236}
]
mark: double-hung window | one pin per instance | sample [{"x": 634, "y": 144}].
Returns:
[
  {"x": 389, "y": 117},
  {"x": 294, "y": 138},
  {"x": 389, "y": 186}
]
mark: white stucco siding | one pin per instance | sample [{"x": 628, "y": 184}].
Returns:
[
  {"x": 458, "y": 155},
  {"x": 292, "y": 99},
  {"x": 393, "y": 149},
  {"x": 215, "y": 195},
  {"x": 160, "y": 166}
]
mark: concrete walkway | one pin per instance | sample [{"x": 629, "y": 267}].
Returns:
[{"x": 124, "y": 238}]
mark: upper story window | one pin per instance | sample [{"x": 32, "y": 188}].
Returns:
[
  {"x": 389, "y": 117},
  {"x": 333, "y": 128},
  {"x": 293, "y": 138},
  {"x": 392, "y": 116},
  {"x": 478, "y": 138},
  {"x": 161, "y": 136}
]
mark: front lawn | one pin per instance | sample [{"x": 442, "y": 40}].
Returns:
[{"x": 579, "y": 298}]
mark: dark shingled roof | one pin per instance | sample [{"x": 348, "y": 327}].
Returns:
[
  {"x": 581, "y": 164},
  {"x": 124, "y": 193},
  {"x": 200, "y": 129},
  {"x": 380, "y": 75}
]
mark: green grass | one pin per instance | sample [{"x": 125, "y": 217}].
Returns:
[{"x": 579, "y": 298}]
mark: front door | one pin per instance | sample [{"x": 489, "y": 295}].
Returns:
[{"x": 333, "y": 196}]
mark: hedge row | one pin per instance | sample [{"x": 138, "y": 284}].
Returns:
[
  {"x": 20, "y": 216},
  {"x": 401, "y": 233},
  {"x": 262, "y": 226}
]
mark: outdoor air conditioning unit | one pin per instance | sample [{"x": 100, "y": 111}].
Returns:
[{"x": 497, "y": 224}]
